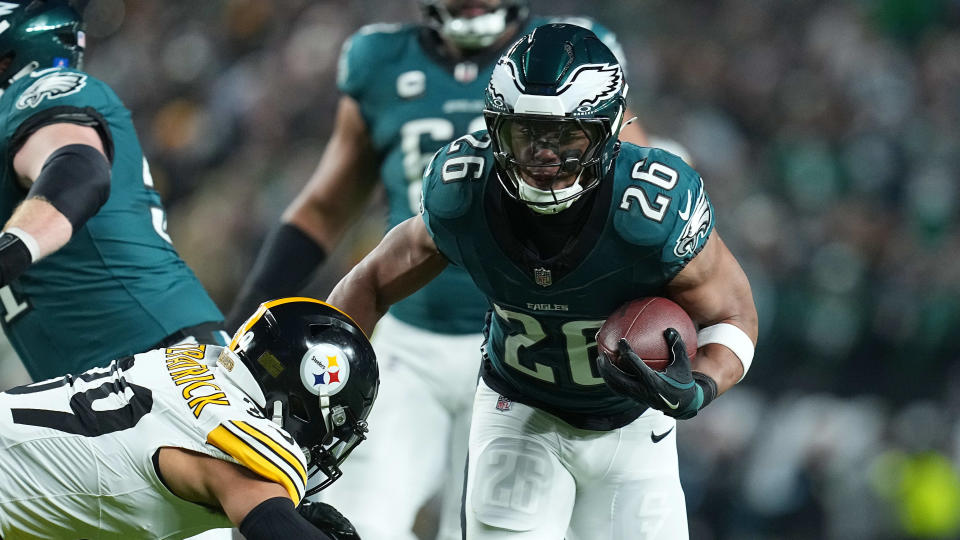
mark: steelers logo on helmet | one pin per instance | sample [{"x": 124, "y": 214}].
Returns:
[{"x": 324, "y": 369}]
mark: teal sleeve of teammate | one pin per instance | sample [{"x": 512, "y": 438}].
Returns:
[
  {"x": 361, "y": 56},
  {"x": 63, "y": 94}
]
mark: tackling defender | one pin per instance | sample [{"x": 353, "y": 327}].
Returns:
[
  {"x": 558, "y": 223},
  {"x": 181, "y": 439},
  {"x": 87, "y": 270},
  {"x": 407, "y": 91}
]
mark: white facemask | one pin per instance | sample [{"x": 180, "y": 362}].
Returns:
[
  {"x": 476, "y": 32},
  {"x": 528, "y": 193}
]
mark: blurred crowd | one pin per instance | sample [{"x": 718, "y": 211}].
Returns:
[{"x": 826, "y": 132}]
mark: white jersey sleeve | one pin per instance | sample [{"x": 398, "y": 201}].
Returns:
[
  {"x": 77, "y": 453},
  {"x": 228, "y": 422}
]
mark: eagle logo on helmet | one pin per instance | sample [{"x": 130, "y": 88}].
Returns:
[
  {"x": 324, "y": 369},
  {"x": 51, "y": 86},
  {"x": 505, "y": 87},
  {"x": 7, "y": 8},
  {"x": 589, "y": 85},
  {"x": 583, "y": 90}
]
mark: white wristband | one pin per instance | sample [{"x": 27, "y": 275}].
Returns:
[
  {"x": 28, "y": 240},
  {"x": 731, "y": 337}
]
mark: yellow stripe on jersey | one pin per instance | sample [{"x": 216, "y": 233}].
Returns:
[
  {"x": 251, "y": 458},
  {"x": 281, "y": 452}
]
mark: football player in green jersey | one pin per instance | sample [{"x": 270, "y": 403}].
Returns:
[
  {"x": 558, "y": 223},
  {"x": 407, "y": 91},
  {"x": 87, "y": 270}
]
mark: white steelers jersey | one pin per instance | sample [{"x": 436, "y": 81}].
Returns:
[{"x": 77, "y": 453}]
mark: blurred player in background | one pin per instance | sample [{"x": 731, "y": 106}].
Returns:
[
  {"x": 87, "y": 270},
  {"x": 407, "y": 91},
  {"x": 558, "y": 224},
  {"x": 185, "y": 438}
]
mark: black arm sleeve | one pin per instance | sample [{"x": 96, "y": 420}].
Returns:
[
  {"x": 285, "y": 263},
  {"x": 75, "y": 179},
  {"x": 277, "y": 518}
]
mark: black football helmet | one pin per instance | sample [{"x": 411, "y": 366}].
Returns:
[
  {"x": 554, "y": 108},
  {"x": 473, "y": 24},
  {"x": 38, "y": 34},
  {"x": 318, "y": 373}
]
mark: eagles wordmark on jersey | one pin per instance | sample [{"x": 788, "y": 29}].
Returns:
[
  {"x": 414, "y": 101},
  {"x": 558, "y": 222},
  {"x": 639, "y": 233}
]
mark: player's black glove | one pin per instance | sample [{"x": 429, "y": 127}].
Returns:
[
  {"x": 677, "y": 391},
  {"x": 327, "y": 519}
]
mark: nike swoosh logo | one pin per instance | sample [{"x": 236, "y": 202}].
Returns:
[
  {"x": 667, "y": 401},
  {"x": 657, "y": 438},
  {"x": 685, "y": 215}
]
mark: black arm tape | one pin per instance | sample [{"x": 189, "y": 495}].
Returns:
[
  {"x": 277, "y": 518},
  {"x": 284, "y": 266},
  {"x": 15, "y": 258},
  {"x": 76, "y": 181},
  {"x": 709, "y": 387}
]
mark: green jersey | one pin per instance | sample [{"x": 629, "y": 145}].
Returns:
[
  {"x": 414, "y": 101},
  {"x": 647, "y": 219},
  {"x": 118, "y": 286}
]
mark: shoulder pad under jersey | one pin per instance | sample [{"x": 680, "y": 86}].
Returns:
[
  {"x": 59, "y": 89},
  {"x": 230, "y": 423},
  {"x": 661, "y": 202},
  {"x": 452, "y": 181},
  {"x": 366, "y": 51}
]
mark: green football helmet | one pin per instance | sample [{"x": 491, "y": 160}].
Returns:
[
  {"x": 473, "y": 24},
  {"x": 38, "y": 34},
  {"x": 554, "y": 108}
]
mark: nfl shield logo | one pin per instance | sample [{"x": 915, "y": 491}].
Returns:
[
  {"x": 465, "y": 72},
  {"x": 542, "y": 277},
  {"x": 503, "y": 404}
]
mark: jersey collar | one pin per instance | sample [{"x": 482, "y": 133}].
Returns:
[{"x": 234, "y": 370}]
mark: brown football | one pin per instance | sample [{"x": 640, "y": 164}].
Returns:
[{"x": 642, "y": 322}]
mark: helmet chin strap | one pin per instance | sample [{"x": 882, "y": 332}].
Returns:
[
  {"x": 530, "y": 194},
  {"x": 277, "y": 417},
  {"x": 327, "y": 421}
]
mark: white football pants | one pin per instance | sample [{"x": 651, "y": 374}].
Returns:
[
  {"x": 532, "y": 476},
  {"x": 419, "y": 426}
]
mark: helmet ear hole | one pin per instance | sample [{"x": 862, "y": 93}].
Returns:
[
  {"x": 298, "y": 409},
  {"x": 67, "y": 38},
  {"x": 6, "y": 60}
]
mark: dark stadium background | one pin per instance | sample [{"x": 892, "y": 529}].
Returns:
[{"x": 826, "y": 132}]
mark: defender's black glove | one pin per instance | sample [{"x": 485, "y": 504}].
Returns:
[
  {"x": 677, "y": 391},
  {"x": 327, "y": 519}
]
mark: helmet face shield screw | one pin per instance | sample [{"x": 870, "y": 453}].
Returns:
[{"x": 339, "y": 416}]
